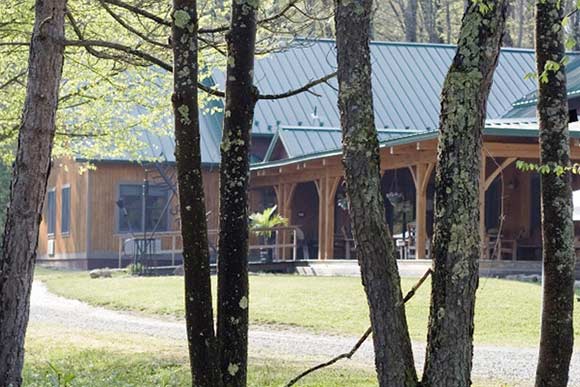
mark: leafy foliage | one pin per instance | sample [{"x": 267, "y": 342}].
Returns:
[{"x": 266, "y": 219}]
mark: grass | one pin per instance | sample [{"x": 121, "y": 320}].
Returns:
[
  {"x": 507, "y": 312},
  {"x": 99, "y": 360}
]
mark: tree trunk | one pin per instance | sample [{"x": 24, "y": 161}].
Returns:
[
  {"x": 202, "y": 343},
  {"x": 241, "y": 96},
  {"x": 28, "y": 188},
  {"x": 557, "y": 335},
  {"x": 375, "y": 250},
  {"x": 430, "y": 9},
  {"x": 456, "y": 240},
  {"x": 411, "y": 21},
  {"x": 520, "y": 17},
  {"x": 448, "y": 20}
]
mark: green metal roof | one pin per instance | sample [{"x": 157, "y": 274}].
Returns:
[
  {"x": 407, "y": 82},
  {"x": 526, "y": 106},
  {"x": 300, "y": 141},
  {"x": 499, "y": 127}
]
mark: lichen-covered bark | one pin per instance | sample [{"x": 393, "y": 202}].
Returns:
[
  {"x": 557, "y": 335},
  {"x": 203, "y": 348},
  {"x": 375, "y": 250},
  {"x": 28, "y": 188},
  {"x": 241, "y": 96},
  {"x": 456, "y": 241}
]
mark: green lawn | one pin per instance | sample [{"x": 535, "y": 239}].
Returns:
[
  {"x": 506, "y": 313},
  {"x": 102, "y": 360},
  {"x": 98, "y": 360}
]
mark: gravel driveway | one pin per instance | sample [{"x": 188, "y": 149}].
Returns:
[{"x": 490, "y": 362}]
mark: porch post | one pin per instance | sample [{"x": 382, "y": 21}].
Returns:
[
  {"x": 286, "y": 211},
  {"x": 422, "y": 175},
  {"x": 322, "y": 205},
  {"x": 482, "y": 189},
  {"x": 284, "y": 194},
  {"x": 331, "y": 186}
]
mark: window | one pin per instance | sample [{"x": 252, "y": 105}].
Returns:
[
  {"x": 51, "y": 211},
  {"x": 130, "y": 215},
  {"x": 65, "y": 211}
]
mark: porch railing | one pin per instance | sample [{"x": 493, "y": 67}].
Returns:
[{"x": 169, "y": 243}]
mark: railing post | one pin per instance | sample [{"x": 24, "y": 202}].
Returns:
[
  {"x": 120, "y": 252},
  {"x": 294, "y": 245},
  {"x": 173, "y": 250}
]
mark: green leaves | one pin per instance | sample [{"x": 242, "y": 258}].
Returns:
[
  {"x": 546, "y": 169},
  {"x": 267, "y": 219}
]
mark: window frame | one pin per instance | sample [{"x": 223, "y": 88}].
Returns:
[
  {"x": 137, "y": 228},
  {"x": 62, "y": 223},
  {"x": 51, "y": 220}
]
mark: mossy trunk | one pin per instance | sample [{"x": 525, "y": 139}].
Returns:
[
  {"x": 557, "y": 335},
  {"x": 203, "y": 348},
  {"x": 28, "y": 188},
  {"x": 375, "y": 250},
  {"x": 456, "y": 239},
  {"x": 241, "y": 96}
]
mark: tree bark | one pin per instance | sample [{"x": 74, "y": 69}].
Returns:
[
  {"x": 557, "y": 335},
  {"x": 375, "y": 250},
  {"x": 456, "y": 240},
  {"x": 241, "y": 97},
  {"x": 203, "y": 349},
  {"x": 28, "y": 187}
]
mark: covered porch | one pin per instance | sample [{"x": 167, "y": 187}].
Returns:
[{"x": 310, "y": 192}]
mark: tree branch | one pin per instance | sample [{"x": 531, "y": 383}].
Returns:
[
  {"x": 13, "y": 79},
  {"x": 129, "y": 28},
  {"x": 359, "y": 343},
  {"x": 305, "y": 88},
  {"x": 226, "y": 27},
  {"x": 139, "y": 11},
  {"x": 90, "y": 44}
]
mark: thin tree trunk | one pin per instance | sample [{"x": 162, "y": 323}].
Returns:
[
  {"x": 203, "y": 349},
  {"x": 411, "y": 21},
  {"x": 241, "y": 97},
  {"x": 456, "y": 241},
  {"x": 375, "y": 250},
  {"x": 520, "y": 17},
  {"x": 448, "y": 20},
  {"x": 28, "y": 188},
  {"x": 430, "y": 9},
  {"x": 557, "y": 335}
]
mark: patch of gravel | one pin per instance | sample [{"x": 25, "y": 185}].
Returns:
[{"x": 490, "y": 362}]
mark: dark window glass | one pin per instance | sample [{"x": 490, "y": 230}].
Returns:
[
  {"x": 65, "y": 211},
  {"x": 51, "y": 211},
  {"x": 130, "y": 219}
]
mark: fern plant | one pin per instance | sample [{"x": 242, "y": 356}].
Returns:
[{"x": 266, "y": 219}]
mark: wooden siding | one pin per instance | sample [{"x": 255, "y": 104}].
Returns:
[
  {"x": 105, "y": 182},
  {"x": 66, "y": 172}
]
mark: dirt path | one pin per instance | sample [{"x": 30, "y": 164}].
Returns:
[{"x": 490, "y": 362}]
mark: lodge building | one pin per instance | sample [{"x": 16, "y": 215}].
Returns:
[{"x": 93, "y": 219}]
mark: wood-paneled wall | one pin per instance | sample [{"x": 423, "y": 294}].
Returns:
[
  {"x": 66, "y": 172},
  {"x": 94, "y": 213}
]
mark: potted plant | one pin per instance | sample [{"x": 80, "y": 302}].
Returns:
[{"x": 266, "y": 219}]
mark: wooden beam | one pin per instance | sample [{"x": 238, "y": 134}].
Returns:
[
  {"x": 413, "y": 175},
  {"x": 332, "y": 185},
  {"x": 489, "y": 180},
  {"x": 425, "y": 182},
  {"x": 322, "y": 205},
  {"x": 482, "y": 175},
  {"x": 421, "y": 210}
]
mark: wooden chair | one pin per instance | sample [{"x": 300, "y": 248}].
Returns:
[{"x": 500, "y": 248}]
